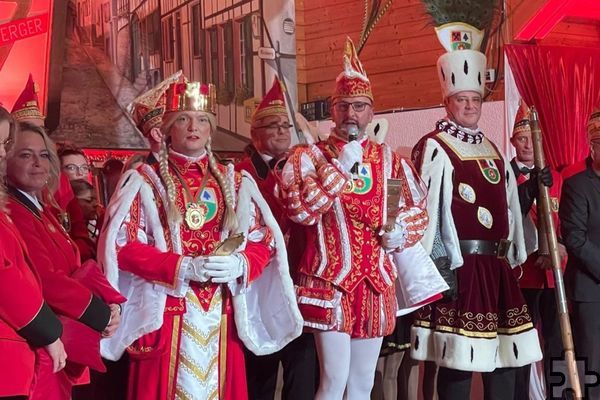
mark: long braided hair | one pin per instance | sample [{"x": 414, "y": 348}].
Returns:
[{"x": 230, "y": 222}]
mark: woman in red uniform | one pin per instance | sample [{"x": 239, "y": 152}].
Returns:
[
  {"x": 82, "y": 307},
  {"x": 26, "y": 321}
]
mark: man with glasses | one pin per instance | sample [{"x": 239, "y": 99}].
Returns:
[
  {"x": 271, "y": 140},
  {"x": 346, "y": 280},
  {"x": 580, "y": 225},
  {"x": 475, "y": 235}
]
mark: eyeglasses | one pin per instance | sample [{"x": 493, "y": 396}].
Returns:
[
  {"x": 358, "y": 106},
  {"x": 81, "y": 169},
  {"x": 273, "y": 128}
]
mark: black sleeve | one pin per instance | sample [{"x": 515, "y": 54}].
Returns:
[
  {"x": 43, "y": 329},
  {"x": 96, "y": 315},
  {"x": 574, "y": 212}
]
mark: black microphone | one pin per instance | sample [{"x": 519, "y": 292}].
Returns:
[{"x": 352, "y": 136}]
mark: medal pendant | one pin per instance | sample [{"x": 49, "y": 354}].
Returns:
[{"x": 195, "y": 216}]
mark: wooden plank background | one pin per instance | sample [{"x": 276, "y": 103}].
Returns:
[{"x": 400, "y": 56}]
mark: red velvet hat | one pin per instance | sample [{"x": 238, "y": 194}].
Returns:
[
  {"x": 353, "y": 81},
  {"x": 522, "y": 119},
  {"x": 148, "y": 109},
  {"x": 272, "y": 104},
  {"x": 27, "y": 105}
]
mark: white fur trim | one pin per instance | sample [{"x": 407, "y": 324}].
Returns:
[
  {"x": 462, "y": 70},
  {"x": 266, "y": 315},
  {"x": 437, "y": 175},
  {"x": 464, "y": 353},
  {"x": 142, "y": 313},
  {"x": 518, "y": 251}
]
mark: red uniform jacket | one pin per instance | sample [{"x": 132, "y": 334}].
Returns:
[
  {"x": 262, "y": 173},
  {"x": 26, "y": 321},
  {"x": 56, "y": 258},
  {"x": 531, "y": 276}
]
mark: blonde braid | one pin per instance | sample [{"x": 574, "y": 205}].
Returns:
[
  {"x": 230, "y": 222},
  {"x": 173, "y": 213}
]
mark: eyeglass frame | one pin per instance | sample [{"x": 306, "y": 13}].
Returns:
[
  {"x": 351, "y": 104},
  {"x": 78, "y": 168},
  {"x": 271, "y": 127}
]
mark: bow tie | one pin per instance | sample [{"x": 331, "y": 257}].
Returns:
[{"x": 525, "y": 170}]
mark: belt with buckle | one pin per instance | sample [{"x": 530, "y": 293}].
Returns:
[{"x": 497, "y": 248}]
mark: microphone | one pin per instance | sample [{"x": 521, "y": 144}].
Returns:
[{"x": 352, "y": 136}]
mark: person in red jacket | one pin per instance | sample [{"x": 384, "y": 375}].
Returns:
[
  {"x": 536, "y": 279},
  {"x": 84, "y": 309},
  {"x": 271, "y": 139},
  {"x": 27, "y": 323}
]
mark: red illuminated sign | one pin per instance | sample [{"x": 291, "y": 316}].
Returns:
[{"x": 23, "y": 29}]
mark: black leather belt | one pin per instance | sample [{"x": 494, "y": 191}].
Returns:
[{"x": 485, "y": 247}]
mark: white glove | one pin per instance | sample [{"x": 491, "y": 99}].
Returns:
[
  {"x": 394, "y": 239},
  {"x": 351, "y": 153},
  {"x": 196, "y": 271},
  {"x": 223, "y": 269}
]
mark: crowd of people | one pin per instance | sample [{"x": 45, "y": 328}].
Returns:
[{"x": 198, "y": 278}]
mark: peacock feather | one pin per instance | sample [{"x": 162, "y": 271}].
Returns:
[{"x": 478, "y": 13}]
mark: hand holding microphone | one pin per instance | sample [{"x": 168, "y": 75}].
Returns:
[{"x": 352, "y": 152}]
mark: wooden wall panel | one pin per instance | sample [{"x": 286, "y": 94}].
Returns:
[
  {"x": 399, "y": 57},
  {"x": 401, "y": 54}
]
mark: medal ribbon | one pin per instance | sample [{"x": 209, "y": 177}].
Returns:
[{"x": 187, "y": 191}]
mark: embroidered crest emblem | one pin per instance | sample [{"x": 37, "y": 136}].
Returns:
[
  {"x": 461, "y": 40},
  {"x": 467, "y": 193},
  {"x": 364, "y": 183},
  {"x": 209, "y": 200},
  {"x": 485, "y": 217},
  {"x": 490, "y": 170}
]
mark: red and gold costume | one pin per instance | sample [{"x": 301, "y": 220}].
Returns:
[
  {"x": 184, "y": 338},
  {"x": 26, "y": 321},
  {"x": 56, "y": 260},
  {"x": 346, "y": 279}
]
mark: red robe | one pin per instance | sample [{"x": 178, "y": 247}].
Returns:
[
  {"x": 56, "y": 259},
  {"x": 155, "y": 358},
  {"x": 26, "y": 321}
]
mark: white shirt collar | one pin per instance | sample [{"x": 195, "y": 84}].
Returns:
[{"x": 33, "y": 199}]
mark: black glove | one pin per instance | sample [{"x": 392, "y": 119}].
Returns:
[
  {"x": 443, "y": 266},
  {"x": 545, "y": 176}
]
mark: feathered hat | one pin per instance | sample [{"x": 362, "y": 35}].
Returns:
[
  {"x": 27, "y": 105},
  {"x": 272, "y": 104},
  {"x": 522, "y": 119},
  {"x": 593, "y": 126},
  {"x": 148, "y": 109},
  {"x": 353, "y": 80},
  {"x": 191, "y": 96},
  {"x": 460, "y": 27}
]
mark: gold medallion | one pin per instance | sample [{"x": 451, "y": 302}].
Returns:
[{"x": 195, "y": 216}]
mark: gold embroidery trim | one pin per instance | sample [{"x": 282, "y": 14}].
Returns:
[
  {"x": 486, "y": 149},
  {"x": 174, "y": 352}
]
